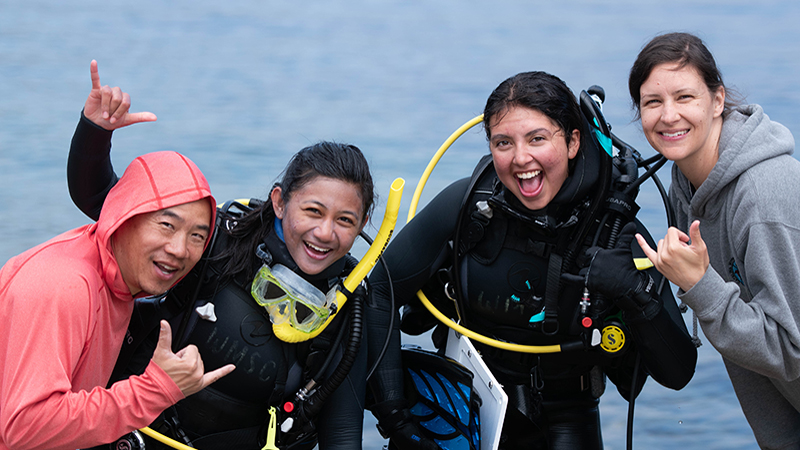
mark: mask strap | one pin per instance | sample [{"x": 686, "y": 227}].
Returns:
[{"x": 264, "y": 254}]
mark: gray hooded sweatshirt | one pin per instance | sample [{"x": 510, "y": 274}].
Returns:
[{"x": 748, "y": 301}]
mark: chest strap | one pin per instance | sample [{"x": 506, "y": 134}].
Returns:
[{"x": 554, "y": 267}]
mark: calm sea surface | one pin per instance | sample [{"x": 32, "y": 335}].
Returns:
[{"x": 239, "y": 86}]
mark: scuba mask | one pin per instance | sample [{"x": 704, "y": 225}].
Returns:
[
  {"x": 290, "y": 299},
  {"x": 315, "y": 314}
]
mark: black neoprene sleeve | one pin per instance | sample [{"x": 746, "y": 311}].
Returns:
[
  {"x": 667, "y": 350},
  {"x": 90, "y": 174},
  {"x": 413, "y": 256}
]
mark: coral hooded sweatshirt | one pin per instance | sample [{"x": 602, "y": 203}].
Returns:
[{"x": 64, "y": 311}]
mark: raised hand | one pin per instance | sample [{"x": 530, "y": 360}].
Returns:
[
  {"x": 682, "y": 260},
  {"x": 185, "y": 367},
  {"x": 108, "y": 107}
]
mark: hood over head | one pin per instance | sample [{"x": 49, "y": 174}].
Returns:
[
  {"x": 584, "y": 174},
  {"x": 152, "y": 182},
  {"x": 748, "y": 137}
]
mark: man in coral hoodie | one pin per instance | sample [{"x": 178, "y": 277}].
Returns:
[{"x": 65, "y": 307}]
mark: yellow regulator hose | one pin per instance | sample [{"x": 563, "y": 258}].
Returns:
[
  {"x": 165, "y": 440},
  {"x": 421, "y": 295}
]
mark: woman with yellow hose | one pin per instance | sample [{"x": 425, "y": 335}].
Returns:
[
  {"x": 495, "y": 251},
  {"x": 262, "y": 298}
]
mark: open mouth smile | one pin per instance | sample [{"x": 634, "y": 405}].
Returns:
[
  {"x": 167, "y": 270},
  {"x": 528, "y": 175},
  {"x": 316, "y": 249},
  {"x": 673, "y": 134},
  {"x": 530, "y": 183}
]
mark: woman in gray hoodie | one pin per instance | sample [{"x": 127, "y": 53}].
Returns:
[{"x": 734, "y": 180}]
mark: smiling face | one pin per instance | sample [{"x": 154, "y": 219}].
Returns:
[
  {"x": 320, "y": 221},
  {"x": 154, "y": 250},
  {"x": 531, "y": 154},
  {"x": 682, "y": 118}
]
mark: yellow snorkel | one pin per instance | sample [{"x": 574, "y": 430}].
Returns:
[{"x": 289, "y": 334}]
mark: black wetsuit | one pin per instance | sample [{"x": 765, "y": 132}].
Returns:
[
  {"x": 504, "y": 276},
  {"x": 231, "y": 412}
]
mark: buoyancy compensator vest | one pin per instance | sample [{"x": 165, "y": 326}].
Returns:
[{"x": 519, "y": 255}]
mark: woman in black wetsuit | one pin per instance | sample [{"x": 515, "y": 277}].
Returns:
[
  {"x": 504, "y": 238},
  {"x": 308, "y": 224}
]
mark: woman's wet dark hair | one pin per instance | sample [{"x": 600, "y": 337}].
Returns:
[
  {"x": 683, "y": 49},
  {"x": 342, "y": 162},
  {"x": 539, "y": 91}
]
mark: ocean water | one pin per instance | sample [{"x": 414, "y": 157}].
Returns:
[{"x": 240, "y": 86}]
